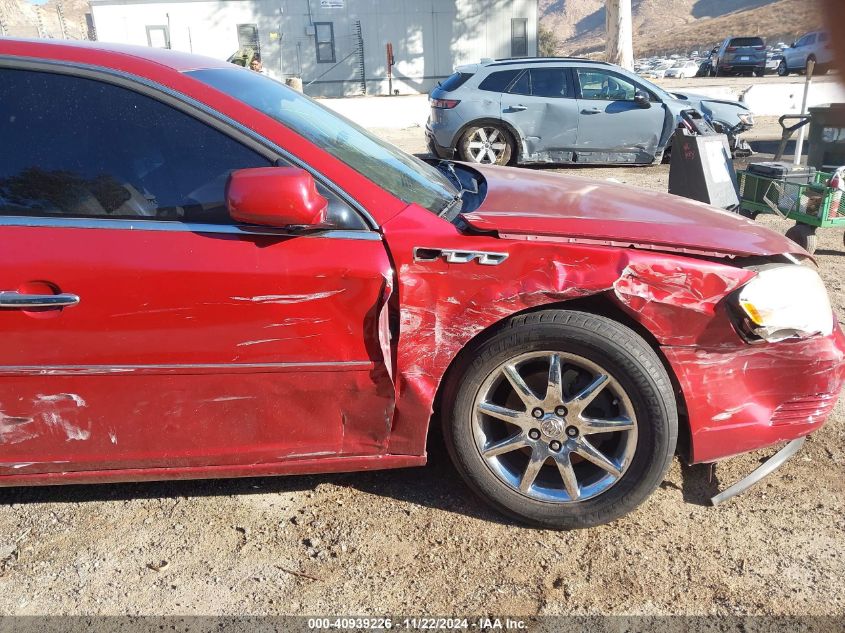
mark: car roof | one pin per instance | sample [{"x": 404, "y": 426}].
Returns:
[
  {"x": 511, "y": 61},
  {"x": 106, "y": 54}
]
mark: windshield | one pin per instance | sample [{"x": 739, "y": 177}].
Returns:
[{"x": 403, "y": 175}]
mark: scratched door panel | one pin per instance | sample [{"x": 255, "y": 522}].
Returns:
[{"x": 191, "y": 348}]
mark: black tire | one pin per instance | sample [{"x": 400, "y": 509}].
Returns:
[
  {"x": 783, "y": 69},
  {"x": 804, "y": 235},
  {"x": 631, "y": 365},
  {"x": 718, "y": 72},
  {"x": 760, "y": 73},
  {"x": 480, "y": 134}
]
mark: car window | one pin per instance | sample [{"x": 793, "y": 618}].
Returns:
[
  {"x": 746, "y": 41},
  {"x": 549, "y": 82},
  {"x": 599, "y": 84},
  {"x": 822, "y": 37},
  {"x": 402, "y": 175},
  {"x": 499, "y": 81},
  {"x": 84, "y": 148},
  {"x": 454, "y": 81},
  {"x": 522, "y": 85},
  {"x": 811, "y": 39}
]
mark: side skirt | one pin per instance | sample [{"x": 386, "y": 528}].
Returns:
[{"x": 292, "y": 467}]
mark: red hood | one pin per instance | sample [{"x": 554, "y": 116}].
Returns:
[{"x": 528, "y": 202}]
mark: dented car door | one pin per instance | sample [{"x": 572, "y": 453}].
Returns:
[
  {"x": 142, "y": 327},
  {"x": 540, "y": 104},
  {"x": 612, "y": 127}
]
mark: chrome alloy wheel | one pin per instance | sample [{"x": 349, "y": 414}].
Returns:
[
  {"x": 570, "y": 444},
  {"x": 486, "y": 145}
]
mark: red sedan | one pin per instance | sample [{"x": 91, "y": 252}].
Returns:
[{"x": 206, "y": 274}]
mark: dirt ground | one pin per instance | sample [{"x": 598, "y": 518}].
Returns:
[{"x": 418, "y": 542}]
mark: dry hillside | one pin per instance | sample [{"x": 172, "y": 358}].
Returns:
[{"x": 664, "y": 26}]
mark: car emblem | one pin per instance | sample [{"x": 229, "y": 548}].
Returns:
[
  {"x": 430, "y": 254},
  {"x": 551, "y": 427}
]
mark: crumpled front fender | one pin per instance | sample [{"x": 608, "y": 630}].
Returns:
[{"x": 442, "y": 306}]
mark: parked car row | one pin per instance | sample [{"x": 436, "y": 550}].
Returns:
[
  {"x": 744, "y": 56},
  {"x": 563, "y": 110}
]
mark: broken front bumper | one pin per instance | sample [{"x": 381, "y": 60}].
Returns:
[
  {"x": 764, "y": 470},
  {"x": 740, "y": 400}
]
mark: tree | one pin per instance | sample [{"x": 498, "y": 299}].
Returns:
[{"x": 547, "y": 43}]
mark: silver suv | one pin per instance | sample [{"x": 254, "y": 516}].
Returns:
[
  {"x": 813, "y": 46},
  {"x": 562, "y": 110}
]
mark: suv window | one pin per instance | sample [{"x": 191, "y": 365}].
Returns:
[
  {"x": 498, "y": 82},
  {"x": 84, "y": 148},
  {"x": 746, "y": 41},
  {"x": 522, "y": 86},
  {"x": 599, "y": 84},
  {"x": 542, "y": 82},
  {"x": 455, "y": 81},
  {"x": 549, "y": 82}
]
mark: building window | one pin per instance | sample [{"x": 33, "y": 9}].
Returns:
[
  {"x": 324, "y": 38},
  {"x": 158, "y": 36},
  {"x": 248, "y": 38},
  {"x": 519, "y": 37}
]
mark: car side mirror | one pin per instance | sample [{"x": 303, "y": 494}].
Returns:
[
  {"x": 276, "y": 196},
  {"x": 642, "y": 99}
]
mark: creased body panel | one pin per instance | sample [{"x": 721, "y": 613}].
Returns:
[
  {"x": 138, "y": 420},
  {"x": 444, "y": 305},
  {"x": 191, "y": 348},
  {"x": 679, "y": 300},
  {"x": 535, "y": 203},
  {"x": 744, "y": 399}
]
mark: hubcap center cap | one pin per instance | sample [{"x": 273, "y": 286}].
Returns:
[{"x": 551, "y": 427}]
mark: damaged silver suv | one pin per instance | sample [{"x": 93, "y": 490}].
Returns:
[{"x": 563, "y": 110}]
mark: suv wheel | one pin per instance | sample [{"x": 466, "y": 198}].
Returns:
[
  {"x": 488, "y": 144},
  {"x": 783, "y": 69},
  {"x": 561, "y": 419}
]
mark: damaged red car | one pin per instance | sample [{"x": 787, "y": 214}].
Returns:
[{"x": 206, "y": 274}]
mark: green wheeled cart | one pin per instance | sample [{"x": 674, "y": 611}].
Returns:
[{"x": 812, "y": 204}]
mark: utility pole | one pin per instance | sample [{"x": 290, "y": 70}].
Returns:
[{"x": 620, "y": 45}]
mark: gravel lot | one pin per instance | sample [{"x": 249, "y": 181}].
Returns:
[{"x": 418, "y": 542}]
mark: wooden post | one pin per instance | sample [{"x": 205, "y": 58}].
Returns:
[{"x": 620, "y": 46}]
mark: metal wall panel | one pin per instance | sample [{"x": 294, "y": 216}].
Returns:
[{"x": 430, "y": 37}]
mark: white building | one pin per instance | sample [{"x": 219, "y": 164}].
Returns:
[{"x": 337, "y": 47}]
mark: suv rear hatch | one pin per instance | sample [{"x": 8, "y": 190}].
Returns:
[{"x": 746, "y": 51}]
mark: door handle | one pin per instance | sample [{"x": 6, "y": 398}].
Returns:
[
  {"x": 517, "y": 108},
  {"x": 16, "y": 300},
  {"x": 590, "y": 111}
]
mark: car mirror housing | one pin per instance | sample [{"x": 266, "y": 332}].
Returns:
[
  {"x": 642, "y": 99},
  {"x": 275, "y": 196}
]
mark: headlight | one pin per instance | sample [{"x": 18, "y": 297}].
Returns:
[
  {"x": 786, "y": 302},
  {"x": 746, "y": 117}
]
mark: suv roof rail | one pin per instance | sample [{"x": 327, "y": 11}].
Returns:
[{"x": 505, "y": 61}]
